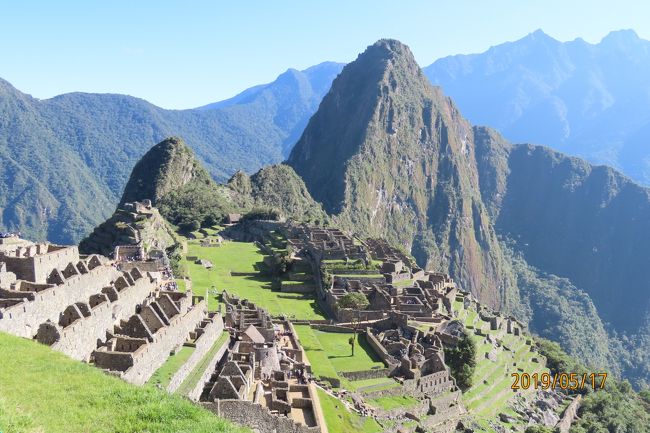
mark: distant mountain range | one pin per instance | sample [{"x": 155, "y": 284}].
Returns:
[
  {"x": 588, "y": 100},
  {"x": 65, "y": 161}
]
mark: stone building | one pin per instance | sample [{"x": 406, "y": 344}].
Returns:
[{"x": 261, "y": 381}]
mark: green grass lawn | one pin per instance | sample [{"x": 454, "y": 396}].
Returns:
[
  {"x": 340, "y": 420},
  {"x": 164, "y": 374},
  {"x": 181, "y": 285},
  {"x": 245, "y": 257},
  {"x": 393, "y": 402},
  {"x": 376, "y": 384},
  {"x": 44, "y": 391},
  {"x": 192, "y": 379},
  {"x": 329, "y": 354}
]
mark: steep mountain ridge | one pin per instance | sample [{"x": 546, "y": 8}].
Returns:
[
  {"x": 390, "y": 155},
  {"x": 73, "y": 153},
  {"x": 166, "y": 167},
  {"x": 387, "y": 153}
]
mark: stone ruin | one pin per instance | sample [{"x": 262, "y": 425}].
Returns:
[
  {"x": 426, "y": 295},
  {"x": 412, "y": 354},
  {"x": 324, "y": 243},
  {"x": 262, "y": 380},
  {"x": 88, "y": 307}
]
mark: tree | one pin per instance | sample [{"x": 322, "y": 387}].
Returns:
[
  {"x": 462, "y": 361},
  {"x": 354, "y": 300}
]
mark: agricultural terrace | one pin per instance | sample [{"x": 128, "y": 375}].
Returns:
[{"x": 490, "y": 393}]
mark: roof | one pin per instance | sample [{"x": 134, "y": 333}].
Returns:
[{"x": 254, "y": 334}]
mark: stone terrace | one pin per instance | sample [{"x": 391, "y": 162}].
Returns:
[
  {"x": 141, "y": 344},
  {"x": 35, "y": 291}
]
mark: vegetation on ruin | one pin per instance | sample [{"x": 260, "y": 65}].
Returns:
[
  {"x": 193, "y": 378},
  {"x": 461, "y": 360},
  {"x": 81, "y": 398},
  {"x": 262, "y": 213},
  {"x": 163, "y": 375},
  {"x": 353, "y": 300}
]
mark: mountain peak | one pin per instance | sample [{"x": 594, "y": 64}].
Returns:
[
  {"x": 166, "y": 167},
  {"x": 358, "y": 100},
  {"x": 387, "y": 50},
  {"x": 389, "y": 155},
  {"x": 538, "y": 37},
  {"x": 623, "y": 36}
]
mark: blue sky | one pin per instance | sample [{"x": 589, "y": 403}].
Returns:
[{"x": 182, "y": 54}]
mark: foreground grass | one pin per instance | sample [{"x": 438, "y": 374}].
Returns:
[
  {"x": 245, "y": 257},
  {"x": 44, "y": 391}
]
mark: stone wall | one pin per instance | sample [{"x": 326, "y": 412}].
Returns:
[
  {"x": 195, "y": 394},
  {"x": 407, "y": 388},
  {"x": 256, "y": 417},
  {"x": 380, "y": 350},
  {"x": 211, "y": 333},
  {"x": 292, "y": 287},
  {"x": 436, "y": 383},
  {"x": 333, "y": 328},
  {"x": 367, "y": 374},
  {"x": 24, "y": 319},
  {"x": 79, "y": 339},
  {"x": 569, "y": 415},
  {"x": 150, "y": 356},
  {"x": 44, "y": 258}
]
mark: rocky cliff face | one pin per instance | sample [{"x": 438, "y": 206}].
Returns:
[{"x": 390, "y": 156}]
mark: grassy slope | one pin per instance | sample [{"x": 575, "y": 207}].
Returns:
[
  {"x": 192, "y": 379},
  {"x": 44, "y": 391}
]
